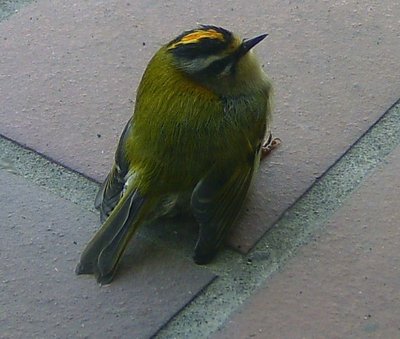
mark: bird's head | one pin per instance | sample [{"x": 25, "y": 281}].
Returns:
[{"x": 217, "y": 58}]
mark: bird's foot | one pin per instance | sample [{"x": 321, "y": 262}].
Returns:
[{"x": 269, "y": 145}]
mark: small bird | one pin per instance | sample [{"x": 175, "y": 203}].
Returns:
[{"x": 203, "y": 108}]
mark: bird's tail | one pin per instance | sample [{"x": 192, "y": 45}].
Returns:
[{"x": 104, "y": 251}]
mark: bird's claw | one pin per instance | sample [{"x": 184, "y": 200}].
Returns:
[{"x": 269, "y": 145}]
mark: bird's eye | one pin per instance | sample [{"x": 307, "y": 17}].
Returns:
[{"x": 218, "y": 66}]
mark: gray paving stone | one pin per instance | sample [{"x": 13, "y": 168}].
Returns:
[
  {"x": 69, "y": 71},
  {"x": 41, "y": 297},
  {"x": 344, "y": 284}
]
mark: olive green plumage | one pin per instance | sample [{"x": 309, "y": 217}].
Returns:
[{"x": 202, "y": 111}]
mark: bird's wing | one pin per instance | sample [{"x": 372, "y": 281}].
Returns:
[
  {"x": 216, "y": 202},
  {"x": 112, "y": 188}
]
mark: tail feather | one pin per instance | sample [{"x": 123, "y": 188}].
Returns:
[
  {"x": 111, "y": 254},
  {"x": 102, "y": 254}
]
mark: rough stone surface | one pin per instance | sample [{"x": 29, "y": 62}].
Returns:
[
  {"x": 345, "y": 283},
  {"x": 69, "y": 72},
  {"x": 41, "y": 297}
]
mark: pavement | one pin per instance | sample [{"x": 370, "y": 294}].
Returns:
[{"x": 314, "y": 253}]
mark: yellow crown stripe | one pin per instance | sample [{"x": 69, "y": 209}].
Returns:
[{"x": 196, "y": 36}]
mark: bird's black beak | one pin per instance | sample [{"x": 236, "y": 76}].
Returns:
[{"x": 248, "y": 44}]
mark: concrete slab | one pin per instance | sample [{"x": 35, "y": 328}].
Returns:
[
  {"x": 343, "y": 284},
  {"x": 10, "y": 7},
  {"x": 68, "y": 74},
  {"x": 42, "y": 236}
]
